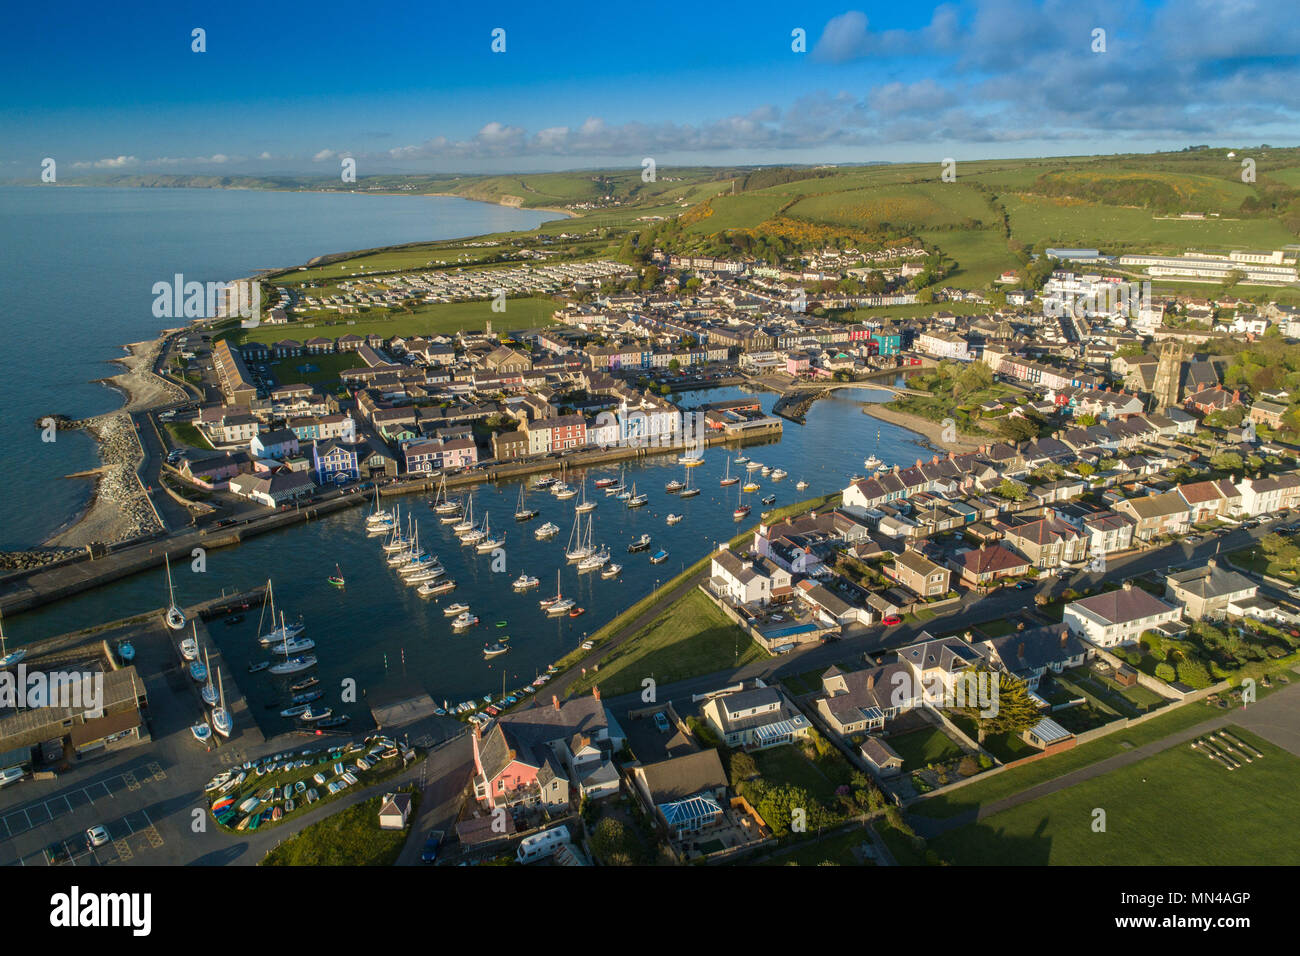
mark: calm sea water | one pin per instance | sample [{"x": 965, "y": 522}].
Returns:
[
  {"x": 77, "y": 266},
  {"x": 378, "y": 629}
]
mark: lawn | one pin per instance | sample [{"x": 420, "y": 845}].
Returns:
[
  {"x": 327, "y": 368},
  {"x": 922, "y": 747},
  {"x": 183, "y": 433},
  {"x": 1021, "y": 778},
  {"x": 351, "y": 837},
  {"x": 1257, "y": 560},
  {"x": 690, "y": 638},
  {"x": 1177, "y": 808},
  {"x": 787, "y": 764}
]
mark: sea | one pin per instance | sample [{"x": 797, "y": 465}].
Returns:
[
  {"x": 375, "y": 630},
  {"x": 77, "y": 268}
]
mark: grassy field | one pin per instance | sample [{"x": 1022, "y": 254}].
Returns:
[
  {"x": 442, "y": 318},
  {"x": 690, "y": 638},
  {"x": 327, "y": 367},
  {"x": 183, "y": 433},
  {"x": 981, "y": 255},
  {"x": 919, "y": 206},
  {"x": 1021, "y": 778},
  {"x": 837, "y": 848},
  {"x": 351, "y": 837},
  {"x": 1177, "y": 808},
  {"x": 1044, "y": 220},
  {"x": 744, "y": 211}
]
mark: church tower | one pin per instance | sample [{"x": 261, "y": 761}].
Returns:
[{"x": 1169, "y": 375}]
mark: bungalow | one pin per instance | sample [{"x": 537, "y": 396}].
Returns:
[
  {"x": 980, "y": 567},
  {"x": 1029, "y": 654},
  {"x": 684, "y": 795},
  {"x": 1118, "y": 617},
  {"x": 272, "y": 490}
]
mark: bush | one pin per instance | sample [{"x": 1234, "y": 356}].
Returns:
[{"x": 1165, "y": 672}]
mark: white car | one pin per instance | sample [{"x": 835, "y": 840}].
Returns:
[
  {"x": 11, "y": 775},
  {"x": 96, "y": 836}
]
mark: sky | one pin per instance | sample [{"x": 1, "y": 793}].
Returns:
[{"x": 416, "y": 87}]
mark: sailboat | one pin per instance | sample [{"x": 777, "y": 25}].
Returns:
[
  {"x": 291, "y": 645},
  {"x": 488, "y": 543},
  {"x": 586, "y": 506},
  {"x": 728, "y": 479},
  {"x": 336, "y": 578},
  {"x": 742, "y": 509},
  {"x": 442, "y": 505},
  {"x": 475, "y": 535},
  {"x": 293, "y": 665},
  {"x": 690, "y": 491},
  {"x": 466, "y": 523},
  {"x": 209, "y": 693},
  {"x": 597, "y": 559},
  {"x": 190, "y": 645},
  {"x": 221, "y": 721},
  {"x": 7, "y": 659},
  {"x": 522, "y": 513},
  {"x": 277, "y": 634},
  {"x": 559, "y": 604},
  {"x": 379, "y": 520},
  {"x": 618, "y": 488},
  {"x": 396, "y": 542},
  {"x": 636, "y": 501},
  {"x": 174, "y": 617},
  {"x": 201, "y": 731},
  {"x": 579, "y": 547}
]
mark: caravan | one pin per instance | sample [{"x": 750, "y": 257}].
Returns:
[{"x": 542, "y": 844}]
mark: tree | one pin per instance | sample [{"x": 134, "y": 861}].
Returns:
[
  {"x": 1011, "y": 712},
  {"x": 613, "y": 844},
  {"x": 1011, "y": 490},
  {"x": 1017, "y": 427}
]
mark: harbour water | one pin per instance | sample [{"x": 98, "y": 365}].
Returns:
[
  {"x": 78, "y": 264},
  {"x": 377, "y": 630}
]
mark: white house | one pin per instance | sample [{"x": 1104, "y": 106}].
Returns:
[{"x": 1118, "y": 617}]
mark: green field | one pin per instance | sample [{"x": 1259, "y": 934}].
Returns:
[
  {"x": 327, "y": 367},
  {"x": 443, "y": 318},
  {"x": 1043, "y": 221},
  {"x": 920, "y": 206},
  {"x": 744, "y": 211},
  {"x": 1176, "y": 808},
  {"x": 351, "y": 837},
  {"x": 692, "y": 637},
  {"x": 981, "y": 256},
  {"x": 1013, "y": 781}
]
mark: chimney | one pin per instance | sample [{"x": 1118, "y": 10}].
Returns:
[
  {"x": 595, "y": 692},
  {"x": 1128, "y": 585},
  {"x": 1020, "y": 625},
  {"x": 555, "y": 702},
  {"x": 1064, "y": 634},
  {"x": 871, "y": 681},
  {"x": 969, "y": 637}
]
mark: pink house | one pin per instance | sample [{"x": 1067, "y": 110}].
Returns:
[{"x": 797, "y": 364}]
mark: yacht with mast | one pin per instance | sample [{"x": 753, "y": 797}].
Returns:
[
  {"x": 559, "y": 604},
  {"x": 221, "y": 721},
  {"x": 635, "y": 500},
  {"x": 728, "y": 479},
  {"x": 489, "y": 543},
  {"x": 443, "y": 506},
  {"x": 8, "y": 659},
  {"x": 466, "y": 523},
  {"x": 585, "y": 506},
  {"x": 579, "y": 545},
  {"x": 174, "y": 616},
  {"x": 277, "y": 634},
  {"x": 522, "y": 513}
]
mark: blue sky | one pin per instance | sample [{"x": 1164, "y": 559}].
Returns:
[{"x": 414, "y": 87}]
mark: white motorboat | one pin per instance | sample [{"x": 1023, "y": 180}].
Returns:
[
  {"x": 611, "y": 571},
  {"x": 548, "y": 530},
  {"x": 800, "y": 485},
  {"x": 524, "y": 582},
  {"x": 434, "y": 588},
  {"x": 451, "y": 610},
  {"x": 779, "y": 473},
  {"x": 753, "y": 465},
  {"x": 673, "y": 519},
  {"x": 464, "y": 620}
]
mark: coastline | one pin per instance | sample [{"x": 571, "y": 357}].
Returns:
[
  {"x": 118, "y": 507},
  {"x": 492, "y": 202},
  {"x": 932, "y": 431}
]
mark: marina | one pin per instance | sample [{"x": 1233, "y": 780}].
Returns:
[{"x": 378, "y": 629}]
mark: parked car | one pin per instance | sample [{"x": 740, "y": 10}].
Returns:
[
  {"x": 661, "y": 721},
  {"x": 96, "y": 836},
  {"x": 430, "y": 851},
  {"x": 1024, "y": 585},
  {"x": 11, "y": 775},
  {"x": 892, "y": 619}
]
